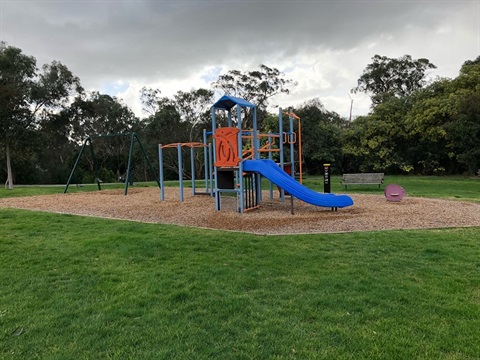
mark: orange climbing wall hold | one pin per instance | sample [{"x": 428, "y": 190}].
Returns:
[{"x": 226, "y": 147}]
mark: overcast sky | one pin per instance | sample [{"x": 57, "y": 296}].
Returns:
[{"x": 117, "y": 47}]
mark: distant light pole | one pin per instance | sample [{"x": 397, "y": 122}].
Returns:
[{"x": 351, "y": 107}]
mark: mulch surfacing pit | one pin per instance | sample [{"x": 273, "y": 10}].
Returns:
[{"x": 369, "y": 212}]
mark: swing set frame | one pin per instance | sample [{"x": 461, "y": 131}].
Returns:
[{"x": 88, "y": 141}]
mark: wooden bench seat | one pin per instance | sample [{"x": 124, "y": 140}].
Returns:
[{"x": 363, "y": 179}]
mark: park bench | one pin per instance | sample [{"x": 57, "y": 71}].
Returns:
[
  {"x": 363, "y": 179},
  {"x": 478, "y": 172}
]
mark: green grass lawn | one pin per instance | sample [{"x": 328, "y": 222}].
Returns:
[
  {"x": 75, "y": 287},
  {"x": 451, "y": 187}
]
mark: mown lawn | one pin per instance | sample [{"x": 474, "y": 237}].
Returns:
[{"x": 74, "y": 287}]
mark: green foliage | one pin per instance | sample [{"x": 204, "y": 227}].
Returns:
[
  {"x": 379, "y": 142},
  {"x": 412, "y": 128},
  {"x": 99, "y": 114},
  {"x": 17, "y": 71},
  {"x": 464, "y": 132},
  {"x": 256, "y": 86},
  {"x": 16, "y": 78},
  {"x": 194, "y": 110},
  {"x": 180, "y": 119},
  {"x": 321, "y": 136},
  {"x": 28, "y": 103},
  {"x": 53, "y": 88},
  {"x": 432, "y": 130},
  {"x": 385, "y": 77}
]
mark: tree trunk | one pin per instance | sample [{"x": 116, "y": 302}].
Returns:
[{"x": 9, "y": 183}]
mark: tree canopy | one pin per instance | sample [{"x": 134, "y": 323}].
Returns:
[
  {"x": 386, "y": 77},
  {"x": 257, "y": 87},
  {"x": 412, "y": 127}
]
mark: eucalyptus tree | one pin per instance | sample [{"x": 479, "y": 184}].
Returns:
[
  {"x": 257, "y": 87},
  {"x": 179, "y": 119},
  {"x": 101, "y": 114},
  {"x": 165, "y": 127},
  {"x": 194, "y": 109},
  {"x": 149, "y": 98},
  {"x": 51, "y": 97},
  {"x": 17, "y": 72},
  {"x": 29, "y": 99},
  {"x": 387, "y": 77}
]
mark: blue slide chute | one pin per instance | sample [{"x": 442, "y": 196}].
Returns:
[{"x": 276, "y": 175}]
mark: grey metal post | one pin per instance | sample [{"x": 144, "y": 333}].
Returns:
[
  {"x": 180, "y": 170},
  {"x": 160, "y": 165}
]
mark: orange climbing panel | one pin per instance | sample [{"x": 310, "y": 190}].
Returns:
[{"x": 226, "y": 147}]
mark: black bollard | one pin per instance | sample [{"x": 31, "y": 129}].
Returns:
[{"x": 326, "y": 178}]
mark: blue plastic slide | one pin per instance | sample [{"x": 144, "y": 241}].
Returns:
[{"x": 276, "y": 175}]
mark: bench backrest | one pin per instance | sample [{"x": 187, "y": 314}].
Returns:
[{"x": 363, "y": 178}]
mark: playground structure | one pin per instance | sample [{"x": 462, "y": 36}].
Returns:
[
  {"x": 235, "y": 160},
  {"x": 128, "y": 179},
  {"x": 179, "y": 146}
]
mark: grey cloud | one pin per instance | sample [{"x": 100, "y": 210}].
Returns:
[{"x": 107, "y": 40}]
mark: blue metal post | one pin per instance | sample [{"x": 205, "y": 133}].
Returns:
[
  {"x": 256, "y": 154},
  {"x": 129, "y": 177},
  {"x": 210, "y": 168},
  {"x": 255, "y": 142},
  {"x": 215, "y": 190}
]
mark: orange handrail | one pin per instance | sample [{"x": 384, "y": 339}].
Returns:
[
  {"x": 188, "y": 144},
  {"x": 291, "y": 114}
]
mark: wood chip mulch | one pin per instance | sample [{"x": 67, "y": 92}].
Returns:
[{"x": 369, "y": 212}]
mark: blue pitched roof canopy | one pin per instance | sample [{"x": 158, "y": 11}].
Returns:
[{"x": 227, "y": 102}]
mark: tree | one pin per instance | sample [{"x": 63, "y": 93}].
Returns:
[
  {"x": 379, "y": 141},
  {"x": 257, "y": 87},
  {"x": 17, "y": 71},
  {"x": 51, "y": 96},
  {"x": 464, "y": 130},
  {"x": 194, "y": 109},
  {"x": 28, "y": 101},
  {"x": 179, "y": 120},
  {"x": 54, "y": 88},
  {"x": 149, "y": 98},
  {"x": 100, "y": 114},
  {"x": 445, "y": 118},
  {"x": 443, "y": 122},
  {"x": 321, "y": 135},
  {"x": 386, "y": 77}
]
